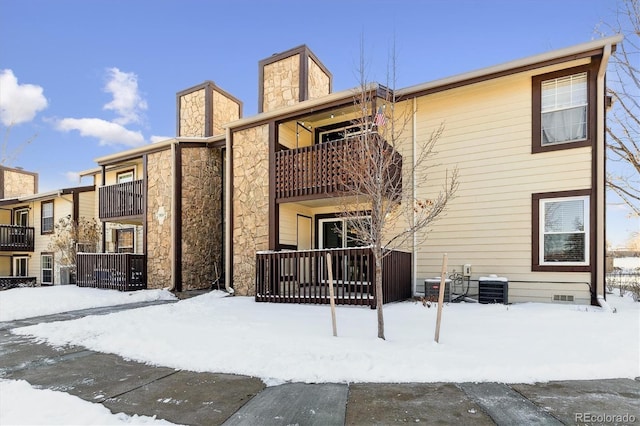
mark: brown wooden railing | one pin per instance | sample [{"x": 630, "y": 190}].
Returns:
[
  {"x": 302, "y": 276},
  {"x": 116, "y": 271},
  {"x": 16, "y": 238},
  {"x": 318, "y": 171},
  {"x": 121, "y": 200}
]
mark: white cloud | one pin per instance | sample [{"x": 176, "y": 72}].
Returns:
[
  {"x": 107, "y": 132},
  {"x": 155, "y": 139},
  {"x": 127, "y": 102},
  {"x": 72, "y": 177},
  {"x": 19, "y": 103}
]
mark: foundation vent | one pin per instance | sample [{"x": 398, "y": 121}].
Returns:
[{"x": 563, "y": 298}]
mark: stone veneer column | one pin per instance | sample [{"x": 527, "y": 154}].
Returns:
[
  {"x": 291, "y": 77},
  {"x": 201, "y": 216},
  {"x": 204, "y": 109},
  {"x": 191, "y": 113},
  {"x": 250, "y": 204},
  {"x": 16, "y": 182},
  {"x": 159, "y": 238}
]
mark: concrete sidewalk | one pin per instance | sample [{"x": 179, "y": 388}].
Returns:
[{"x": 185, "y": 397}]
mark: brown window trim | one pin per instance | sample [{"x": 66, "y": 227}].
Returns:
[
  {"x": 535, "y": 231},
  {"x": 53, "y": 218},
  {"x": 536, "y": 105},
  {"x": 119, "y": 232}
]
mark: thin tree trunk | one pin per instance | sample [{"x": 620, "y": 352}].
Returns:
[{"x": 379, "y": 295}]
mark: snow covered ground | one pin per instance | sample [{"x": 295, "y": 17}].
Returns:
[
  {"x": 519, "y": 343},
  {"x": 27, "y": 302}
]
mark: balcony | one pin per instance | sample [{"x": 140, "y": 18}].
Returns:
[
  {"x": 16, "y": 238},
  {"x": 121, "y": 200},
  {"x": 302, "y": 276},
  {"x": 319, "y": 171}
]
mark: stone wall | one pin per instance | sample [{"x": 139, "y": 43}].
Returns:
[
  {"x": 192, "y": 114},
  {"x": 250, "y": 204},
  {"x": 159, "y": 240},
  {"x": 281, "y": 83},
  {"x": 17, "y": 183},
  {"x": 225, "y": 110},
  {"x": 201, "y": 216},
  {"x": 319, "y": 81}
]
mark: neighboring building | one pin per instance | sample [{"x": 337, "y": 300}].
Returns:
[
  {"x": 27, "y": 221},
  {"x": 255, "y": 198}
]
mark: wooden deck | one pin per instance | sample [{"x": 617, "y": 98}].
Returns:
[{"x": 301, "y": 276}]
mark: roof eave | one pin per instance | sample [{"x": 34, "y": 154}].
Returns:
[{"x": 575, "y": 51}]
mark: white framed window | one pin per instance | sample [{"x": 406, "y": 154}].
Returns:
[
  {"x": 564, "y": 231},
  {"x": 47, "y": 217},
  {"x": 21, "y": 217},
  {"x": 20, "y": 266},
  {"x": 127, "y": 176},
  {"x": 46, "y": 269},
  {"x": 564, "y": 109},
  {"x": 338, "y": 232},
  {"x": 340, "y": 133}
]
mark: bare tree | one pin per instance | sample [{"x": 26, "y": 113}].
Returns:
[
  {"x": 378, "y": 185},
  {"x": 7, "y": 155},
  {"x": 71, "y": 235},
  {"x": 623, "y": 129}
]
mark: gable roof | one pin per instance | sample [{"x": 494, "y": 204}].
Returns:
[{"x": 583, "y": 50}]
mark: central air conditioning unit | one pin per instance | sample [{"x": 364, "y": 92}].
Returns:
[
  {"x": 493, "y": 289},
  {"x": 432, "y": 289}
]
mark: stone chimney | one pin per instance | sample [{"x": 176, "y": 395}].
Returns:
[
  {"x": 17, "y": 182},
  {"x": 203, "y": 110},
  {"x": 290, "y": 77}
]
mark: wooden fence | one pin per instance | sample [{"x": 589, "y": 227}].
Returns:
[{"x": 116, "y": 271}]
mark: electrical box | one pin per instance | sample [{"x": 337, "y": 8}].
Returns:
[{"x": 466, "y": 270}]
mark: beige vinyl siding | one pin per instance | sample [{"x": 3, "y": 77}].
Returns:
[
  {"x": 62, "y": 206},
  {"x": 111, "y": 175},
  {"x": 5, "y": 266},
  {"x": 289, "y": 222},
  {"x": 87, "y": 206},
  {"x": 488, "y": 225}
]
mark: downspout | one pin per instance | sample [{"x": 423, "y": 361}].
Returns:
[
  {"x": 600, "y": 177},
  {"x": 173, "y": 217},
  {"x": 103, "y": 241},
  {"x": 228, "y": 235},
  {"x": 413, "y": 197}
]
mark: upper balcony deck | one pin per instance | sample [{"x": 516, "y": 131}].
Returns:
[
  {"x": 321, "y": 170},
  {"x": 122, "y": 200}
]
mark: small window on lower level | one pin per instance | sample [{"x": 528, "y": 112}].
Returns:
[
  {"x": 46, "y": 269},
  {"x": 562, "y": 232},
  {"x": 20, "y": 266},
  {"x": 124, "y": 240}
]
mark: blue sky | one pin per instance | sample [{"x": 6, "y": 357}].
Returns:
[{"x": 94, "y": 77}]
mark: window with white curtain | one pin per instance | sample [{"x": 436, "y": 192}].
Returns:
[
  {"x": 47, "y": 217},
  {"x": 564, "y": 109}
]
